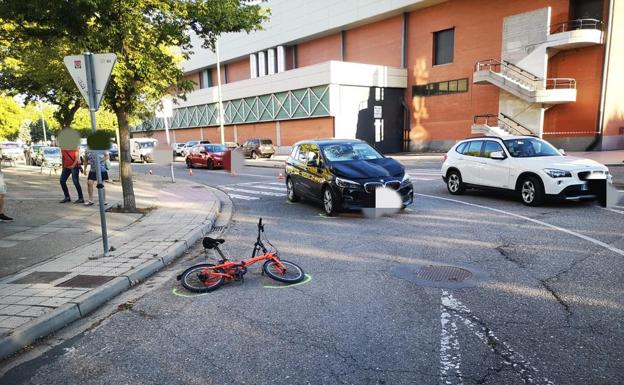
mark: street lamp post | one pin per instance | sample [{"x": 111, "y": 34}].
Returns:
[
  {"x": 45, "y": 138},
  {"x": 219, "y": 92}
]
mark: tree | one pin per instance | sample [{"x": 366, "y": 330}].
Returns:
[
  {"x": 150, "y": 38},
  {"x": 34, "y": 68},
  {"x": 11, "y": 117}
]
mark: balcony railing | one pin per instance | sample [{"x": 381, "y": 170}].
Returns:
[
  {"x": 503, "y": 121},
  {"x": 519, "y": 75},
  {"x": 573, "y": 25}
]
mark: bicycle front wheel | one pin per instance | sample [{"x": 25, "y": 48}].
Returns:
[
  {"x": 288, "y": 272},
  {"x": 201, "y": 279}
]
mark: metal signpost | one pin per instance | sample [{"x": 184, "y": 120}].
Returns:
[
  {"x": 165, "y": 113},
  {"x": 91, "y": 73}
]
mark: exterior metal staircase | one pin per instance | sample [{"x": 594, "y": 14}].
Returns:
[
  {"x": 523, "y": 84},
  {"x": 498, "y": 125}
]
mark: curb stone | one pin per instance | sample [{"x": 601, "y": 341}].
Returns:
[
  {"x": 38, "y": 328},
  {"x": 88, "y": 302}
]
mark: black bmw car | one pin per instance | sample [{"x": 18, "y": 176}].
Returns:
[{"x": 343, "y": 174}]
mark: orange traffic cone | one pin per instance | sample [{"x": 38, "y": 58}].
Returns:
[
  {"x": 190, "y": 172},
  {"x": 280, "y": 175}
]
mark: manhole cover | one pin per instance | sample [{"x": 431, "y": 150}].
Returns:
[
  {"x": 443, "y": 273},
  {"x": 41, "y": 277},
  {"x": 442, "y": 276},
  {"x": 87, "y": 281}
]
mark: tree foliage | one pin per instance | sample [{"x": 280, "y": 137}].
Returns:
[
  {"x": 150, "y": 38},
  {"x": 11, "y": 117}
]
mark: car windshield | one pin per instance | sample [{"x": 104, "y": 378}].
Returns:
[
  {"x": 266, "y": 141},
  {"x": 146, "y": 144},
  {"x": 529, "y": 148},
  {"x": 342, "y": 152},
  {"x": 216, "y": 148},
  {"x": 52, "y": 151}
]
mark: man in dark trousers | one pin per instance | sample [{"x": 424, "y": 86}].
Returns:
[{"x": 71, "y": 166}]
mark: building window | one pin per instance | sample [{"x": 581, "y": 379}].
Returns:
[
  {"x": 443, "y": 45},
  {"x": 441, "y": 88},
  {"x": 204, "y": 79}
]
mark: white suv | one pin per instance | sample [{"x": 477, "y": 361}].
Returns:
[{"x": 525, "y": 164}]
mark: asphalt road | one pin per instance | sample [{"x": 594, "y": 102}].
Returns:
[{"x": 544, "y": 305}]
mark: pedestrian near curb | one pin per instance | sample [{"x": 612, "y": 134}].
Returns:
[
  {"x": 3, "y": 190},
  {"x": 95, "y": 160},
  {"x": 71, "y": 166}
]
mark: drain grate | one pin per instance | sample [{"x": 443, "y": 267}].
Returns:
[
  {"x": 41, "y": 277},
  {"x": 86, "y": 281},
  {"x": 443, "y": 274}
]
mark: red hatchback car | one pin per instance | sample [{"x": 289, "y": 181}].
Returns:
[{"x": 206, "y": 155}]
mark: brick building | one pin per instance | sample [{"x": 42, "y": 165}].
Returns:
[{"x": 415, "y": 75}]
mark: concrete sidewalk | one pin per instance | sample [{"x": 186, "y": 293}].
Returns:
[{"x": 43, "y": 298}]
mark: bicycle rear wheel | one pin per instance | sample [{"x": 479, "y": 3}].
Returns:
[
  {"x": 291, "y": 273},
  {"x": 199, "y": 279}
]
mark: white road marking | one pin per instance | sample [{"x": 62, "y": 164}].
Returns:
[
  {"x": 241, "y": 173},
  {"x": 243, "y": 197},
  {"x": 274, "y": 188},
  {"x": 613, "y": 210},
  {"x": 450, "y": 353},
  {"x": 563, "y": 230},
  {"x": 277, "y": 183},
  {"x": 254, "y": 192},
  {"x": 453, "y": 308}
]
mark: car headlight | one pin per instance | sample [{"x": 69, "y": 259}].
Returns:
[
  {"x": 406, "y": 178},
  {"x": 346, "y": 183},
  {"x": 555, "y": 173}
]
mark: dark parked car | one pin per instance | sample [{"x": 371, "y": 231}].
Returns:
[
  {"x": 343, "y": 174},
  {"x": 254, "y": 148},
  {"x": 48, "y": 156},
  {"x": 206, "y": 155},
  {"x": 113, "y": 152}
]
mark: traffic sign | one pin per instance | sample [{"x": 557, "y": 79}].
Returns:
[{"x": 102, "y": 64}]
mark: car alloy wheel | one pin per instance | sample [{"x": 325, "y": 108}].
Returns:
[
  {"x": 328, "y": 202},
  {"x": 453, "y": 183},
  {"x": 528, "y": 191}
]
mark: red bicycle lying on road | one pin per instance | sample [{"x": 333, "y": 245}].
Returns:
[{"x": 205, "y": 277}]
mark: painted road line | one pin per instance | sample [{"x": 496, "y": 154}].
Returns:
[
  {"x": 613, "y": 210},
  {"x": 274, "y": 188},
  {"x": 272, "y": 194},
  {"x": 243, "y": 197},
  {"x": 452, "y": 308},
  {"x": 277, "y": 183},
  {"x": 561, "y": 229},
  {"x": 245, "y": 174}
]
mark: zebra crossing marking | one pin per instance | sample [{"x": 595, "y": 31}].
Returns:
[
  {"x": 242, "y": 190},
  {"x": 243, "y": 197}
]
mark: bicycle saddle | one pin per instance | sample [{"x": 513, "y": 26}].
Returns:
[{"x": 210, "y": 243}]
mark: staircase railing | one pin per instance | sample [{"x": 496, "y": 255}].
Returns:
[
  {"x": 572, "y": 25},
  {"x": 503, "y": 121},
  {"x": 522, "y": 76}
]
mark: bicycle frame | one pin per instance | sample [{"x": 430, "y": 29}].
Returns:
[{"x": 230, "y": 268}]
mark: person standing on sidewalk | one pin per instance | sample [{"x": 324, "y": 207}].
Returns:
[
  {"x": 71, "y": 166},
  {"x": 95, "y": 160}
]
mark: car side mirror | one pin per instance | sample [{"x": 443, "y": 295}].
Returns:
[
  {"x": 313, "y": 163},
  {"x": 203, "y": 152},
  {"x": 497, "y": 155},
  {"x": 562, "y": 151}
]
